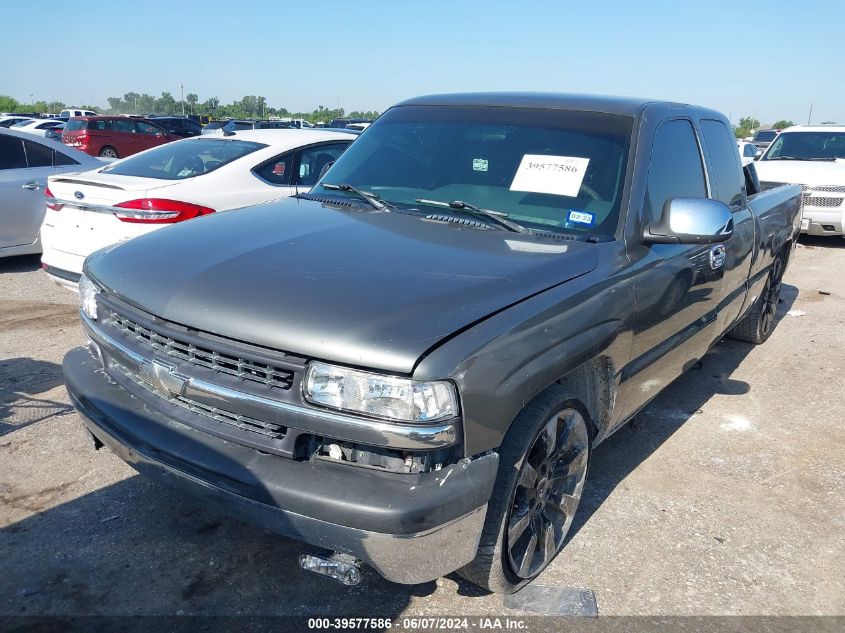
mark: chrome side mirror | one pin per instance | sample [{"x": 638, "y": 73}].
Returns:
[{"x": 691, "y": 221}]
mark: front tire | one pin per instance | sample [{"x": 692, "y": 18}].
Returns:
[{"x": 542, "y": 467}]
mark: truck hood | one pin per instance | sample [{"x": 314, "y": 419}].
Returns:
[
  {"x": 371, "y": 289},
  {"x": 801, "y": 172}
]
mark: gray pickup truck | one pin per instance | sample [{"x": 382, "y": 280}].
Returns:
[{"x": 411, "y": 363}]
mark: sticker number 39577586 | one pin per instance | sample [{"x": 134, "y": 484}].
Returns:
[{"x": 558, "y": 175}]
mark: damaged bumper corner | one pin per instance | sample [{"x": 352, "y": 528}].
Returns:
[{"x": 411, "y": 529}]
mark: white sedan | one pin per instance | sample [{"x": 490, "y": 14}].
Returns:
[
  {"x": 39, "y": 127},
  {"x": 26, "y": 162},
  {"x": 175, "y": 182}
]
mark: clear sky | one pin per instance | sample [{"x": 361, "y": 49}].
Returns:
[{"x": 773, "y": 58}]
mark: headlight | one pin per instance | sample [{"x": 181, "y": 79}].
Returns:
[
  {"x": 379, "y": 395},
  {"x": 88, "y": 297}
]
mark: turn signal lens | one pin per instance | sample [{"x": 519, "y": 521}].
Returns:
[{"x": 159, "y": 211}]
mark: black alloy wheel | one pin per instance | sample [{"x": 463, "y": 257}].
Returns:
[{"x": 547, "y": 493}]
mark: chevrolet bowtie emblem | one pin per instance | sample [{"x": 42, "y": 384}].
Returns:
[{"x": 164, "y": 379}]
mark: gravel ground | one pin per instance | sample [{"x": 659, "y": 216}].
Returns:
[{"x": 724, "y": 497}]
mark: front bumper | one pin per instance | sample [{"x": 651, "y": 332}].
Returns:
[
  {"x": 410, "y": 528},
  {"x": 823, "y": 220}
]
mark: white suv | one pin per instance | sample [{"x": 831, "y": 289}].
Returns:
[{"x": 813, "y": 157}]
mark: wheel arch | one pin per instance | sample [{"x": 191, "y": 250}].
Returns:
[{"x": 593, "y": 385}]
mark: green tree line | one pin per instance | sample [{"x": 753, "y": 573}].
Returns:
[
  {"x": 10, "y": 104},
  {"x": 248, "y": 107}
]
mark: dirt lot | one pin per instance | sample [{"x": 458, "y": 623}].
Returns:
[{"x": 724, "y": 497}]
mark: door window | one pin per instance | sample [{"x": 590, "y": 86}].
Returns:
[
  {"x": 37, "y": 155},
  {"x": 60, "y": 159},
  {"x": 146, "y": 128},
  {"x": 675, "y": 170},
  {"x": 11, "y": 153},
  {"x": 124, "y": 126},
  {"x": 724, "y": 166},
  {"x": 277, "y": 170},
  {"x": 313, "y": 159}
]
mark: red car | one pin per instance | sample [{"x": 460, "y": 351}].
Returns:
[{"x": 113, "y": 136}]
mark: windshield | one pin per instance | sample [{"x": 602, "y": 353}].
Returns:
[
  {"x": 183, "y": 159},
  {"x": 23, "y": 123},
  {"x": 765, "y": 137},
  {"x": 807, "y": 146},
  {"x": 546, "y": 169}
]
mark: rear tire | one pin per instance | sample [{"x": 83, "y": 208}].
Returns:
[
  {"x": 758, "y": 324},
  {"x": 108, "y": 152},
  {"x": 542, "y": 467}
]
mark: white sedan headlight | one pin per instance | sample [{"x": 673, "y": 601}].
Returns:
[
  {"x": 88, "y": 297},
  {"x": 379, "y": 395}
]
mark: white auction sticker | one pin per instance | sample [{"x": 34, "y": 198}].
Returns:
[{"x": 558, "y": 175}]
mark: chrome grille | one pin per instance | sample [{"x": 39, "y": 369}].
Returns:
[
  {"x": 246, "y": 369},
  {"x": 275, "y": 431},
  {"x": 826, "y": 188},
  {"x": 820, "y": 201}
]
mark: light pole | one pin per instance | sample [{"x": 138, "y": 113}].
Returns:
[{"x": 182, "y": 88}]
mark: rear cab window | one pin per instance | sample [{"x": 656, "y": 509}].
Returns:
[
  {"x": 723, "y": 163},
  {"x": 184, "y": 159}
]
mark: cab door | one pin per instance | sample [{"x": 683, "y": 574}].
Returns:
[
  {"x": 727, "y": 184},
  {"x": 677, "y": 285}
]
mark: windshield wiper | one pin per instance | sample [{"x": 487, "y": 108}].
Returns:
[
  {"x": 369, "y": 198},
  {"x": 796, "y": 158},
  {"x": 497, "y": 217}
]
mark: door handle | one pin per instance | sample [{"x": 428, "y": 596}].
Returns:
[
  {"x": 32, "y": 186},
  {"x": 717, "y": 256}
]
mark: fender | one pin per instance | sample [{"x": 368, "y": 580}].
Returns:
[{"x": 503, "y": 362}]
